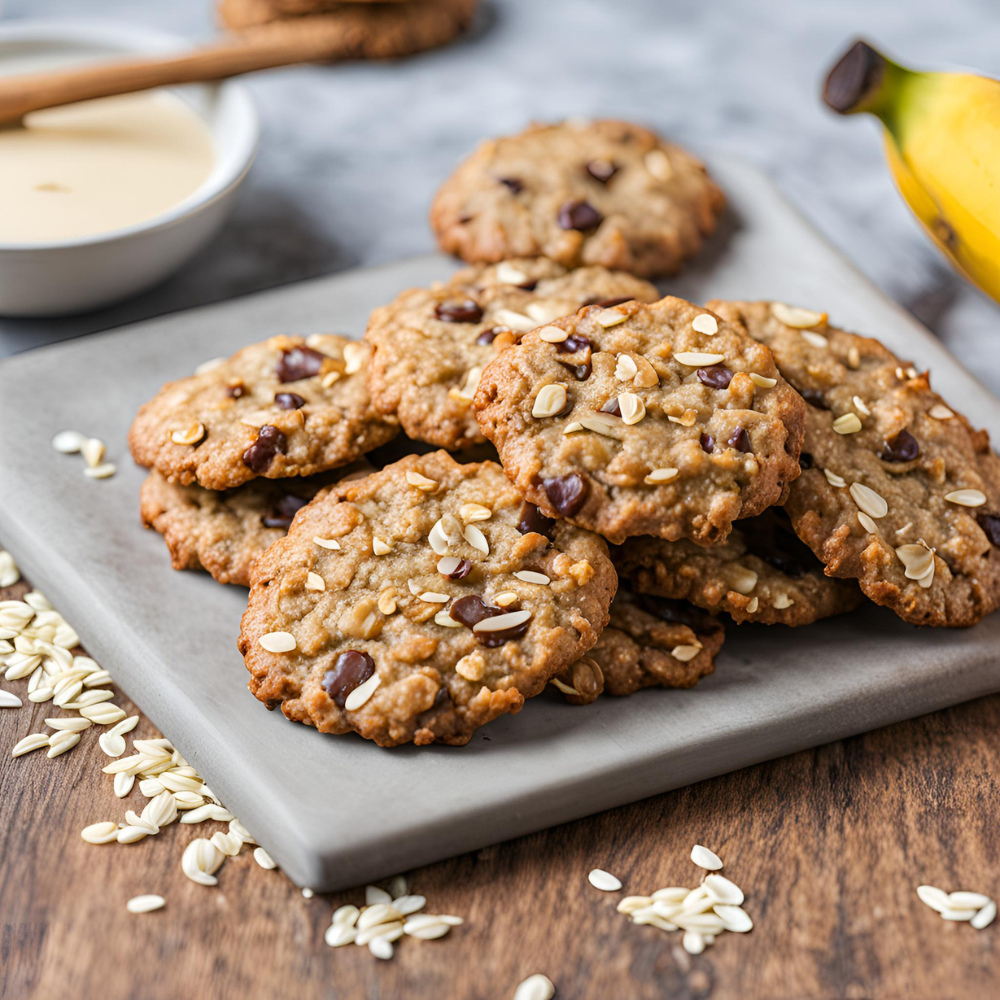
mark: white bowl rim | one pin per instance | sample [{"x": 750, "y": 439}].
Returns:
[{"x": 138, "y": 40}]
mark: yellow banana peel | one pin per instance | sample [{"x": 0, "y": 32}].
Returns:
[{"x": 942, "y": 141}]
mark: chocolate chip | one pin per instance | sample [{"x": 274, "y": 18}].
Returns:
[
  {"x": 608, "y": 303},
  {"x": 805, "y": 461},
  {"x": 716, "y": 377},
  {"x": 532, "y": 519},
  {"x": 236, "y": 390},
  {"x": 740, "y": 440},
  {"x": 298, "y": 363},
  {"x": 465, "y": 311},
  {"x": 612, "y": 407},
  {"x": 677, "y": 612},
  {"x": 990, "y": 523},
  {"x": 289, "y": 401},
  {"x": 566, "y": 493},
  {"x": 773, "y": 540},
  {"x": 707, "y": 443},
  {"x": 351, "y": 670},
  {"x": 901, "y": 447},
  {"x": 461, "y": 571},
  {"x": 529, "y": 286},
  {"x": 573, "y": 343},
  {"x": 580, "y": 372},
  {"x": 515, "y": 186},
  {"x": 472, "y": 609},
  {"x": 814, "y": 398},
  {"x": 260, "y": 454},
  {"x": 600, "y": 170},
  {"x": 579, "y": 215},
  {"x": 284, "y": 511},
  {"x": 487, "y": 337}
]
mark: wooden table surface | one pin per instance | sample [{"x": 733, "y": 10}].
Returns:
[{"x": 828, "y": 845}]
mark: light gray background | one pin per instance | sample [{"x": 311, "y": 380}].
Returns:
[{"x": 351, "y": 155}]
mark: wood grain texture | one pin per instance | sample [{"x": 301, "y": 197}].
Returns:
[{"x": 828, "y": 844}]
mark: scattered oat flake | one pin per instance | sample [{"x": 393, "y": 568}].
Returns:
[
  {"x": 145, "y": 904},
  {"x": 536, "y": 987},
  {"x": 103, "y": 471},
  {"x": 603, "y": 880},
  {"x": 9, "y": 573},
  {"x": 68, "y": 442},
  {"x": 704, "y": 858}
]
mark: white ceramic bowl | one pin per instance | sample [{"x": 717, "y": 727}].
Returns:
[{"x": 50, "y": 279}]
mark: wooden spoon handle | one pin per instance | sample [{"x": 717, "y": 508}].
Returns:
[{"x": 251, "y": 50}]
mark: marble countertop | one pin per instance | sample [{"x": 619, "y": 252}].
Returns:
[{"x": 351, "y": 155}]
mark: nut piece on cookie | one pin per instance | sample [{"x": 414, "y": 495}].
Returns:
[
  {"x": 649, "y": 642},
  {"x": 224, "y": 532},
  {"x": 600, "y": 192},
  {"x": 760, "y": 573},
  {"x": 289, "y": 406},
  {"x": 446, "y": 602},
  {"x": 898, "y": 490},
  {"x": 645, "y": 420},
  {"x": 431, "y": 344}
]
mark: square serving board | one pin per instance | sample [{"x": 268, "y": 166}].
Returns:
[{"x": 336, "y": 811}]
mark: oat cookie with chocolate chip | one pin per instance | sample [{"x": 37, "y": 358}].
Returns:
[
  {"x": 761, "y": 573},
  {"x": 289, "y": 406},
  {"x": 643, "y": 420},
  {"x": 601, "y": 192},
  {"x": 648, "y": 642},
  {"x": 223, "y": 532},
  {"x": 420, "y": 603},
  {"x": 431, "y": 344},
  {"x": 898, "y": 490}
]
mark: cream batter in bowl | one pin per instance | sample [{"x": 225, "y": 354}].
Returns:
[{"x": 103, "y": 199}]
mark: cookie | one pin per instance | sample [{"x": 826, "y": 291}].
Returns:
[
  {"x": 285, "y": 407},
  {"x": 643, "y": 420},
  {"x": 419, "y": 603},
  {"x": 760, "y": 573},
  {"x": 648, "y": 642},
  {"x": 242, "y": 13},
  {"x": 602, "y": 192},
  {"x": 898, "y": 490},
  {"x": 351, "y": 30},
  {"x": 224, "y": 532},
  {"x": 431, "y": 344}
]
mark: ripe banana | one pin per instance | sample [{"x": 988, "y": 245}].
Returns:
[{"x": 942, "y": 141}]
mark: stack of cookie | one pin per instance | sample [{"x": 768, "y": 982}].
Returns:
[{"x": 745, "y": 458}]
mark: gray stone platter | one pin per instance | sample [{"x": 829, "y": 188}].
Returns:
[{"x": 337, "y": 811}]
